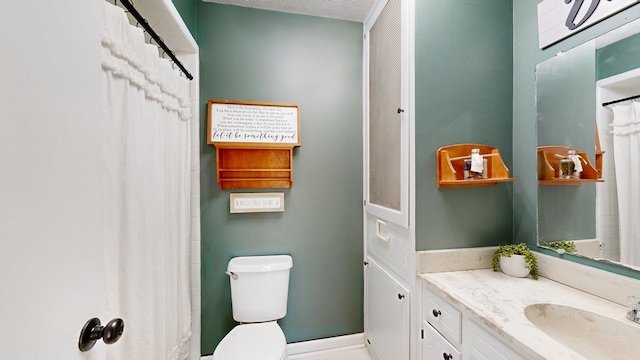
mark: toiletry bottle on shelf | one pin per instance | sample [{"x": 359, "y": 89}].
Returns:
[
  {"x": 467, "y": 169},
  {"x": 476, "y": 165},
  {"x": 577, "y": 165},
  {"x": 567, "y": 165}
]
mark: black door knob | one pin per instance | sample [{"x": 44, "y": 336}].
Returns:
[
  {"x": 94, "y": 331},
  {"x": 112, "y": 332}
]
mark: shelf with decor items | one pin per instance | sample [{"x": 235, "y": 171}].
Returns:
[
  {"x": 549, "y": 166},
  {"x": 450, "y": 166}
]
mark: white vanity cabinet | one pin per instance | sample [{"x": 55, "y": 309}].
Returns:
[{"x": 449, "y": 333}]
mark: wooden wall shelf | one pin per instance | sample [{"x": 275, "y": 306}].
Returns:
[
  {"x": 252, "y": 166},
  {"x": 450, "y": 166},
  {"x": 549, "y": 163}
]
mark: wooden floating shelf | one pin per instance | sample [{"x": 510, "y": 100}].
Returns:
[
  {"x": 549, "y": 164},
  {"x": 253, "y": 166},
  {"x": 450, "y": 166}
]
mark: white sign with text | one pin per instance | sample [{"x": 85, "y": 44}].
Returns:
[
  {"x": 558, "y": 19},
  {"x": 253, "y": 123},
  {"x": 256, "y": 202}
]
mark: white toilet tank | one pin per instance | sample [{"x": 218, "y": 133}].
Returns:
[{"x": 259, "y": 287}]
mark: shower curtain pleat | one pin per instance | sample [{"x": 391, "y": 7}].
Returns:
[
  {"x": 147, "y": 194},
  {"x": 626, "y": 145}
]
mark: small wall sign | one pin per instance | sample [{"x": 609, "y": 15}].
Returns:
[
  {"x": 256, "y": 202},
  {"x": 558, "y": 19}
]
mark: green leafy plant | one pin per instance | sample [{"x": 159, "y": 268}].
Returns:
[
  {"x": 568, "y": 246},
  {"x": 520, "y": 249}
]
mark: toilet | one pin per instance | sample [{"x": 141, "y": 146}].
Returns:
[{"x": 259, "y": 292}]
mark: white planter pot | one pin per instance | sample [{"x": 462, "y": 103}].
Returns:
[{"x": 514, "y": 265}]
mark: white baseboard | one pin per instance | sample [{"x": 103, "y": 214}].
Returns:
[{"x": 306, "y": 349}]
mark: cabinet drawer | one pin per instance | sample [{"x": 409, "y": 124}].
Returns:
[
  {"x": 436, "y": 347},
  {"x": 443, "y": 316}
]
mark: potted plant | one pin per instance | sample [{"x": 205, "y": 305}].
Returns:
[
  {"x": 515, "y": 260},
  {"x": 561, "y": 246}
]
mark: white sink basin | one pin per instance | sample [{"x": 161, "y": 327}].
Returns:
[{"x": 591, "y": 335}]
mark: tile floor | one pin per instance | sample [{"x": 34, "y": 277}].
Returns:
[{"x": 358, "y": 354}]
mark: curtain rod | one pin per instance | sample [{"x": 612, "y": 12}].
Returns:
[
  {"x": 142, "y": 21},
  {"x": 620, "y": 100}
]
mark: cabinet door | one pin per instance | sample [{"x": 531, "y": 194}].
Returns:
[
  {"x": 387, "y": 308},
  {"x": 435, "y": 346},
  {"x": 387, "y": 116},
  {"x": 480, "y": 344}
]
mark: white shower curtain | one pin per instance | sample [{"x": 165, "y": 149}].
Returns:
[
  {"x": 626, "y": 144},
  {"x": 147, "y": 194}
]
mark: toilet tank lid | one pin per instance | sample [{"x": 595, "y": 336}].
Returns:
[{"x": 260, "y": 263}]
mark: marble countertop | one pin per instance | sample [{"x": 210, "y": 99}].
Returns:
[{"x": 498, "y": 301}]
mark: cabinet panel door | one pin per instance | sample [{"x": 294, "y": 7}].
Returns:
[
  {"x": 435, "y": 346},
  {"x": 387, "y": 311},
  {"x": 387, "y": 117},
  {"x": 480, "y": 344}
]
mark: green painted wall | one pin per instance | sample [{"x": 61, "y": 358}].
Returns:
[
  {"x": 187, "y": 10},
  {"x": 526, "y": 55},
  {"x": 618, "y": 57},
  {"x": 248, "y": 54},
  {"x": 463, "y": 95}
]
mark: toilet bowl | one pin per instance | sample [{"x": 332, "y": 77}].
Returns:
[
  {"x": 261, "y": 341},
  {"x": 259, "y": 292}
]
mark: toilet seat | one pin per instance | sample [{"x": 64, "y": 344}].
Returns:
[{"x": 259, "y": 341}]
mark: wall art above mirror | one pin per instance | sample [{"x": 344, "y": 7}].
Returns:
[{"x": 599, "y": 215}]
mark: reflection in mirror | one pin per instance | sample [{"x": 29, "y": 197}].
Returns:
[{"x": 596, "y": 215}]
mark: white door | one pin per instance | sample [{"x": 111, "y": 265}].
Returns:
[
  {"x": 51, "y": 257},
  {"x": 389, "y": 232}
]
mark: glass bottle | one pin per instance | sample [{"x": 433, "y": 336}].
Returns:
[{"x": 567, "y": 166}]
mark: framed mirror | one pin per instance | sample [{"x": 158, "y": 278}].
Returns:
[{"x": 595, "y": 216}]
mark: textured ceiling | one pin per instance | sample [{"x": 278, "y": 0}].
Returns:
[{"x": 354, "y": 10}]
